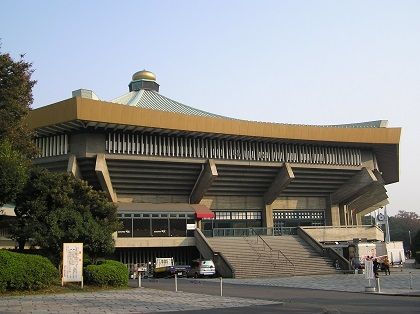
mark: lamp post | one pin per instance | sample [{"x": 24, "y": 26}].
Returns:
[
  {"x": 409, "y": 235},
  {"x": 388, "y": 236}
]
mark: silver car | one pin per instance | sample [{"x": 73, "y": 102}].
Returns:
[{"x": 202, "y": 268}]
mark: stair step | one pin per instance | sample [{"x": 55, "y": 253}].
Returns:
[{"x": 252, "y": 259}]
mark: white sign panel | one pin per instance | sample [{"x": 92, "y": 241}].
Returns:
[
  {"x": 72, "y": 262},
  {"x": 369, "y": 270},
  {"x": 190, "y": 226}
]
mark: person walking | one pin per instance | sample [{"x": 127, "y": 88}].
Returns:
[
  {"x": 376, "y": 268},
  {"x": 386, "y": 266}
]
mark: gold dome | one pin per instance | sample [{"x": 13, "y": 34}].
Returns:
[{"x": 144, "y": 75}]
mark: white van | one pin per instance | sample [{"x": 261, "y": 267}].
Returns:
[{"x": 202, "y": 268}]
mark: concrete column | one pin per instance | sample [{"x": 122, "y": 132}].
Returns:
[
  {"x": 335, "y": 215},
  {"x": 204, "y": 181},
  {"x": 281, "y": 181},
  {"x": 73, "y": 167},
  {"x": 343, "y": 220},
  {"x": 102, "y": 173},
  {"x": 268, "y": 216},
  {"x": 358, "y": 219}
]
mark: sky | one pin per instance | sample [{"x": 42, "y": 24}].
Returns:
[{"x": 305, "y": 62}]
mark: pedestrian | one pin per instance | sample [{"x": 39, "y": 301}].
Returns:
[
  {"x": 376, "y": 268},
  {"x": 386, "y": 266}
]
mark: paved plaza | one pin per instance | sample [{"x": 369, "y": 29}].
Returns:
[
  {"x": 147, "y": 300},
  {"x": 397, "y": 283},
  {"x": 124, "y": 301}
]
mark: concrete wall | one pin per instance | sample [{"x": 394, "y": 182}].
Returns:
[
  {"x": 83, "y": 143},
  {"x": 345, "y": 233},
  {"x": 234, "y": 202},
  {"x": 156, "y": 199},
  {"x": 297, "y": 203},
  {"x": 154, "y": 242}
]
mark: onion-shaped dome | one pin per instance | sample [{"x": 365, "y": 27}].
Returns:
[{"x": 144, "y": 75}]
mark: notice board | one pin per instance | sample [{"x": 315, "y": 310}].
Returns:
[{"x": 72, "y": 262}]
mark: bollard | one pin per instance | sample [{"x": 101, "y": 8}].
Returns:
[
  {"x": 176, "y": 283},
  {"x": 221, "y": 286},
  {"x": 411, "y": 281},
  {"x": 139, "y": 278},
  {"x": 378, "y": 285}
]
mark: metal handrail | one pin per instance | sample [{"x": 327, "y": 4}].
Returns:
[
  {"x": 338, "y": 227},
  {"x": 272, "y": 250}
]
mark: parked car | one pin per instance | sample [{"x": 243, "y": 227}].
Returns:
[{"x": 202, "y": 268}]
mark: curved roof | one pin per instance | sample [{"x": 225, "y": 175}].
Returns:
[{"x": 149, "y": 99}]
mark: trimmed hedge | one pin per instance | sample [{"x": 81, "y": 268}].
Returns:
[
  {"x": 107, "y": 273},
  {"x": 25, "y": 272}
]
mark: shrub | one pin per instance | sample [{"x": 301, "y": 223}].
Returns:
[
  {"x": 417, "y": 257},
  {"x": 25, "y": 272},
  {"x": 107, "y": 273}
]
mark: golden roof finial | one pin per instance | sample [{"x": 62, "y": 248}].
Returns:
[{"x": 144, "y": 75}]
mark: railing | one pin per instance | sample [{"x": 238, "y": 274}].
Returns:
[
  {"x": 324, "y": 251},
  {"x": 272, "y": 251},
  {"x": 279, "y": 231},
  {"x": 248, "y": 232},
  {"x": 223, "y": 266}
]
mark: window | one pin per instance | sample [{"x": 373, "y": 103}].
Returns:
[
  {"x": 254, "y": 215},
  {"x": 178, "y": 227},
  {"x": 160, "y": 228},
  {"x": 141, "y": 227},
  {"x": 223, "y": 215},
  {"x": 126, "y": 230},
  {"x": 238, "y": 215}
]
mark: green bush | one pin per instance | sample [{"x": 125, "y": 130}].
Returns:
[
  {"x": 25, "y": 272},
  {"x": 417, "y": 257},
  {"x": 107, "y": 273}
]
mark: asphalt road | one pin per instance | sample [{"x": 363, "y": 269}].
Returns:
[{"x": 293, "y": 300}]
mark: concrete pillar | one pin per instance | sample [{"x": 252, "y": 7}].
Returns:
[
  {"x": 268, "y": 216},
  {"x": 358, "y": 219},
  {"x": 204, "y": 182},
  {"x": 335, "y": 215},
  {"x": 343, "y": 220},
  {"x": 281, "y": 181},
  {"x": 102, "y": 173},
  {"x": 73, "y": 167}
]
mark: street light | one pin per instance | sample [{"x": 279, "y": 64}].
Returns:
[{"x": 409, "y": 235}]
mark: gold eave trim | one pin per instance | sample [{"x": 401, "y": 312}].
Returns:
[{"x": 105, "y": 112}]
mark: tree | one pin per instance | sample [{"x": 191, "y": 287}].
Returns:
[
  {"x": 402, "y": 225},
  {"x": 16, "y": 145},
  {"x": 416, "y": 246},
  {"x": 55, "y": 208},
  {"x": 13, "y": 172},
  {"x": 15, "y": 102}
]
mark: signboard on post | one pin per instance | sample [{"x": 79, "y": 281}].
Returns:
[
  {"x": 72, "y": 263},
  {"x": 369, "y": 274}
]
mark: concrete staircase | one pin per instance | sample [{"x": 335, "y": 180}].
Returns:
[{"x": 274, "y": 256}]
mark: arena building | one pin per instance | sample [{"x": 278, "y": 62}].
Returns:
[{"x": 172, "y": 168}]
